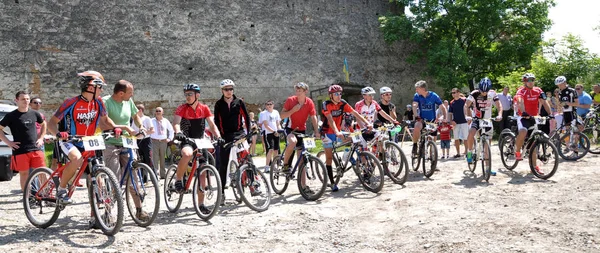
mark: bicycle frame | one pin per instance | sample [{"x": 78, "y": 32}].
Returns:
[{"x": 88, "y": 156}]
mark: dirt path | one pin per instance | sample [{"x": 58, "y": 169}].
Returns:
[{"x": 452, "y": 212}]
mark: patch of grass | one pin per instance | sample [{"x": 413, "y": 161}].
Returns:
[{"x": 318, "y": 142}]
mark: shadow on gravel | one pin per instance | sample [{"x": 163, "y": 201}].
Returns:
[
  {"x": 472, "y": 180},
  {"x": 71, "y": 232},
  {"x": 355, "y": 190},
  {"x": 517, "y": 178},
  {"x": 417, "y": 176},
  {"x": 186, "y": 216}
]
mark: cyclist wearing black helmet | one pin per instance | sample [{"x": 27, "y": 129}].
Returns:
[{"x": 196, "y": 113}]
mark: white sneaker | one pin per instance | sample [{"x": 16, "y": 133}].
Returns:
[{"x": 267, "y": 169}]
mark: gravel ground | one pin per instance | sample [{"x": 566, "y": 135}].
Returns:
[{"x": 454, "y": 211}]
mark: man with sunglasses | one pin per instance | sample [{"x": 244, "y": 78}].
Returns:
[
  {"x": 425, "y": 101},
  {"x": 79, "y": 115},
  {"x": 386, "y": 105},
  {"x": 299, "y": 108},
  {"x": 529, "y": 100},
  {"x": 196, "y": 114},
  {"x": 163, "y": 134},
  {"x": 230, "y": 115},
  {"x": 269, "y": 119},
  {"x": 333, "y": 112}
]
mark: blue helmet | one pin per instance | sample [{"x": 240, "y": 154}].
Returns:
[
  {"x": 485, "y": 84},
  {"x": 192, "y": 87}
]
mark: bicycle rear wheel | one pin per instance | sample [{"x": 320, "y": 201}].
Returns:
[
  {"x": 39, "y": 198},
  {"x": 253, "y": 188},
  {"x": 279, "y": 180},
  {"x": 315, "y": 179},
  {"x": 430, "y": 155},
  {"x": 572, "y": 150},
  {"x": 370, "y": 171},
  {"x": 395, "y": 164},
  {"x": 543, "y": 159},
  {"x": 335, "y": 167},
  {"x": 593, "y": 134},
  {"x": 486, "y": 161},
  {"x": 148, "y": 194},
  {"x": 507, "y": 151},
  {"x": 173, "y": 198},
  {"x": 207, "y": 193},
  {"x": 106, "y": 193}
]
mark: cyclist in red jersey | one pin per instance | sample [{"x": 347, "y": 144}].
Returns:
[
  {"x": 80, "y": 115},
  {"x": 298, "y": 108},
  {"x": 529, "y": 99}
]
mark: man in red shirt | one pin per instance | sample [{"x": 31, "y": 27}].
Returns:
[
  {"x": 298, "y": 108},
  {"x": 529, "y": 99}
]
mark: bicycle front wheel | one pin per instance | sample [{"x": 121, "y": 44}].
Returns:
[
  {"x": 370, "y": 171},
  {"x": 107, "y": 203},
  {"x": 572, "y": 150},
  {"x": 431, "y": 155},
  {"x": 233, "y": 167},
  {"x": 593, "y": 134},
  {"x": 543, "y": 159},
  {"x": 279, "y": 180},
  {"x": 486, "y": 162},
  {"x": 474, "y": 156},
  {"x": 146, "y": 194},
  {"x": 39, "y": 198},
  {"x": 208, "y": 192},
  {"x": 173, "y": 198},
  {"x": 507, "y": 151},
  {"x": 314, "y": 175},
  {"x": 253, "y": 188},
  {"x": 395, "y": 164}
]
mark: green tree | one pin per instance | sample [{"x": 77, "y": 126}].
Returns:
[{"x": 464, "y": 40}]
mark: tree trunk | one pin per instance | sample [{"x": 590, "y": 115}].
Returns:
[{"x": 471, "y": 84}]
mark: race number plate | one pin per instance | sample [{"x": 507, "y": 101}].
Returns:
[
  {"x": 540, "y": 120},
  {"x": 485, "y": 123},
  {"x": 91, "y": 143},
  {"x": 430, "y": 127},
  {"x": 309, "y": 143},
  {"x": 356, "y": 137},
  {"x": 129, "y": 142},
  {"x": 203, "y": 143}
]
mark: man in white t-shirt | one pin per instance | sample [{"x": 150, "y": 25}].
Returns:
[
  {"x": 270, "y": 119},
  {"x": 145, "y": 144},
  {"x": 163, "y": 134}
]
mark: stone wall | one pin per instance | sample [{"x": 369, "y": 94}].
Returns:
[{"x": 265, "y": 46}]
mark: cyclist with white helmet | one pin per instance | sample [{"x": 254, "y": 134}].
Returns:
[
  {"x": 482, "y": 98},
  {"x": 230, "y": 113},
  {"x": 196, "y": 114},
  {"x": 369, "y": 108},
  {"x": 569, "y": 100},
  {"x": 425, "y": 101},
  {"x": 386, "y": 104},
  {"x": 408, "y": 114},
  {"x": 333, "y": 112}
]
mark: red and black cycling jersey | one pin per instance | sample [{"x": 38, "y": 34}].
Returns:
[
  {"x": 196, "y": 118},
  {"x": 567, "y": 95},
  {"x": 230, "y": 118},
  {"x": 78, "y": 116},
  {"x": 531, "y": 99},
  {"x": 336, "y": 111}
]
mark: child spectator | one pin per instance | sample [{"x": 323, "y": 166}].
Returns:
[{"x": 444, "y": 132}]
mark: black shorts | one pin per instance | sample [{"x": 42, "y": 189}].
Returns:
[
  {"x": 300, "y": 140},
  {"x": 272, "y": 142},
  {"x": 368, "y": 135},
  {"x": 475, "y": 125}
]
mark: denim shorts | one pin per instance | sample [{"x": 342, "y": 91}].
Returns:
[{"x": 445, "y": 144}]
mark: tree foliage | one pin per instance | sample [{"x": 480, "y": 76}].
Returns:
[
  {"x": 567, "y": 57},
  {"x": 464, "y": 40}
]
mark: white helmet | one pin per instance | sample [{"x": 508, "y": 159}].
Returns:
[
  {"x": 559, "y": 80},
  {"x": 385, "y": 89},
  {"x": 367, "y": 91},
  {"x": 227, "y": 82}
]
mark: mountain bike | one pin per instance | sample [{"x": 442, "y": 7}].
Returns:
[
  {"x": 426, "y": 149},
  {"x": 390, "y": 154},
  {"x": 139, "y": 184},
  {"x": 248, "y": 183},
  {"x": 41, "y": 188},
  {"x": 207, "y": 192},
  {"x": 312, "y": 174},
  {"x": 482, "y": 148},
  {"x": 541, "y": 151},
  {"x": 592, "y": 129},
  {"x": 571, "y": 143},
  {"x": 365, "y": 164}
]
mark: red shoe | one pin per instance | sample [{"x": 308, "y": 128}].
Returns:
[
  {"x": 79, "y": 184},
  {"x": 518, "y": 156},
  {"x": 537, "y": 168}
]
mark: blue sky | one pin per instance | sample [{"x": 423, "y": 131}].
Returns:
[{"x": 578, "y": 17}]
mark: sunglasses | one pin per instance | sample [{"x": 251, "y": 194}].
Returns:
[
  {"x": 158, "y": 111},
  {"x": 578, "y": 88},
  {"x": 227, "y": 89},
  {"x": 387, "y": 94},
  {"x": 269, "y": 104},
  {"x": 189, "y": 94},
  {"x": 454, "y": 92},
  {"x": 37, "y": 103},
  {"x": 337, "y": 94},
  {"x": 529, "y": 80}
]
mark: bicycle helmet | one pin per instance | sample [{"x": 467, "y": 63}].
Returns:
[
  {"x": 367, "y": 91},
  {"x": 485, "y": 84},
  {"x": 301, "y": 85},
  {"x": 559, "y": 80},
  {"x": 192, "y": 87},
  {"x": 90, "y": 77},
  {"x": 408, "y": 106},
  {"x": 335, "y": 88},
  {"x": 227, "y": 82},
  {"x": 385, "y": 89},
  {"x": 527, "y": 76}
]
